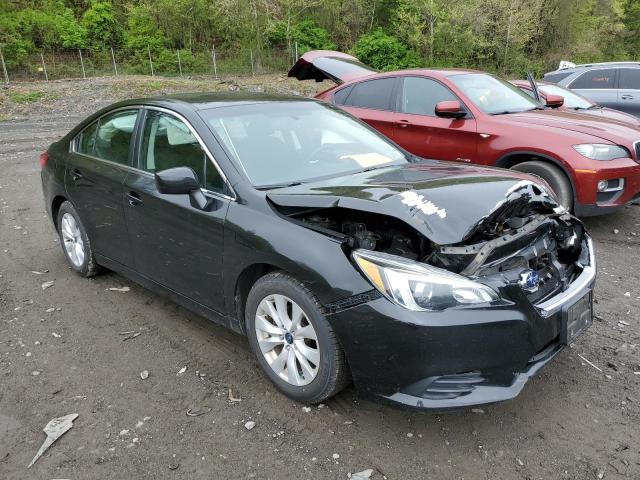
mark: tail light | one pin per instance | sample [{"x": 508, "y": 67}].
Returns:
[{"x": 44, "y": 158}]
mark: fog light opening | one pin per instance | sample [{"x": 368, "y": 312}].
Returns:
[{"x": 611, "y": 185}]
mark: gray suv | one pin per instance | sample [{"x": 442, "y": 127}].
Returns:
[{"x": 613, "y": 84}]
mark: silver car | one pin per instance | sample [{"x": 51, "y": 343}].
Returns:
[{"x": 613, "y": 84}]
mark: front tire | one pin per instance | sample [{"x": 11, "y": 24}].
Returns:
[
  {"x": 294, "y": 343},
  {"x": 553, "y": 176},
  {"x": 75, "y": 242}
]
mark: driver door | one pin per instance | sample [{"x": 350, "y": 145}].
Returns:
[{"x": 175, "y": 243}]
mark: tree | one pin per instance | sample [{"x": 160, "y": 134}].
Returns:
[
  {"x": 101, "y": 25},
  {"x": 384, "y": 52}
]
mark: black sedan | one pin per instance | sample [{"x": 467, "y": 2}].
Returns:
[{"x": 340, "y": 256}]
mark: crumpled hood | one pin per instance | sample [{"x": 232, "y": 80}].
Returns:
[
  {"x": 446, "y": 203},
  {"x": 609, "y": 129}
]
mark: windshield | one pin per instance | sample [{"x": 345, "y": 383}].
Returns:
[
  {"x": 280, "y": 143},
  {"x": 493, "y": 95},
  {"x": 571, "y": 100}
]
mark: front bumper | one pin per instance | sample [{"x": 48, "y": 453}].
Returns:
[
  {"x": 456, "y": 358},
  {"x": 590, "y": 202}
]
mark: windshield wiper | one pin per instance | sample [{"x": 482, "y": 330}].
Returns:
[{"x": 278, "y": 185}]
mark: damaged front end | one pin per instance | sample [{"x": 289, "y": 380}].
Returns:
[
  {"x": 526, "y": 245},
  {"x": 464, "y": 322}
]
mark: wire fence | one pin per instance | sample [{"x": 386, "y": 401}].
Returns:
[{"x": 54, "y": 65}]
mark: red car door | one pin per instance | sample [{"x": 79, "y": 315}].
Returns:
[
  {"x": 372, "y": 101},
  {"x": 422, "y": 132}
]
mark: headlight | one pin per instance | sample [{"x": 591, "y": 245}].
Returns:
[
  {"x": 417, "y": 286},
  {"x": 601, "y": 151}
]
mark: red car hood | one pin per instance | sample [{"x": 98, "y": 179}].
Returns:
[{"x": 608, "y": 129}]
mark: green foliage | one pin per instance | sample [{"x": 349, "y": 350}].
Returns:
[
  {"x": 384, "y": 52},
  {"x": 101, "y": 25},
  {"x": 30, "y": 97},
  {"x": 504, "y": 36}
]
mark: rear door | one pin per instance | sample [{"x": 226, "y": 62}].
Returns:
[
  {"x": 175, "y": 243},
  {"x": 96, "y": 168},
  {"x": 373, "y": 101},
  {"x": 629, "y": 90},
  {"x": 423, "y": 133},
  {"x": 598, "y": 85}
]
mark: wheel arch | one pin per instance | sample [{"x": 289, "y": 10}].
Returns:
[
  {"x": 244, "y": 281},
  {"x": 512, "y": 159},
  {"x": 55, "y": 208}
]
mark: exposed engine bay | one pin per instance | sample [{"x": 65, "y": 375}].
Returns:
[{"x": 498, "y": 252}]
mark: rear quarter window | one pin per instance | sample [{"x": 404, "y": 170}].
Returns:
[
  {"x": 341, "y": 96},
  {"x": 86, "y": 140}
]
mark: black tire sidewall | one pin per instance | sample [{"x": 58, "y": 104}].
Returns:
[
  {"x": 554, "y": 177},
  {"x": 285, "y": 285},
  {"x": 88, "y": 266}
]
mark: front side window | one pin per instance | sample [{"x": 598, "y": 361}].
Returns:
[
  {"x": 86, "y": 141},
  {"x": 115, "y": 132},
  {"x": 374, "y": 94},
  {"x": 595, "y": 80},
  {"x": 420, "y": 96},
  {"x": 167, "y": 142},
  {"x": 630, "y": 78},
  {"x": 280, "y": 143},
  {"x": 493, "y": 95}
]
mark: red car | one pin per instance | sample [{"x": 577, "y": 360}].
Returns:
[
  {"x": 592, "y": 163},
  {"x": 574, "y": 102}
]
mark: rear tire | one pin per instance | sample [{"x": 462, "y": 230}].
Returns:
[
  {"x": 294, "y": 343},
  {"x": 75, "y": 241},
  {"x": 556, "y": 179}
]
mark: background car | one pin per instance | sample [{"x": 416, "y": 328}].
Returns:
[
  {"x": 339, "y": 255},
  {"x": 591, "y": 163},
  {"x": 575, "y": 102},
  {"x": 612, "y": 84}
]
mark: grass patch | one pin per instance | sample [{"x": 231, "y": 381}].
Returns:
[{"x": 31, "y": 97}]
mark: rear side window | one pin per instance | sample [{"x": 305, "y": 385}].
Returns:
[
  {"x": 167, "y": 142},
  {"x": 341, "y": 96},
  {"x": 374, "y": 94},
  {"x": 113, "y": 140},
  {"x": 420, "y": 96},
  {"x": 86, "y": 141},
  {"x": 630, "y": 78},
  {"x": 595, "y": 79},
  {"x": 556, "y": 77}
]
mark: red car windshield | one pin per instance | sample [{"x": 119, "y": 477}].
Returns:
[
  {"x": 571, "y": 100},
  {"x": 493, "y": 95}
]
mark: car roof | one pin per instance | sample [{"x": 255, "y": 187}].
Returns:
[
  {"x": 588, "y": 66},
  {"x": 206, "y": 100},
  {"x": 433, "y": 72}
]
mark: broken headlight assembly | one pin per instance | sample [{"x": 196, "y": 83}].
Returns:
[
  {"x": 601, "y": 151},
  {"x": 418, "y": 286}
]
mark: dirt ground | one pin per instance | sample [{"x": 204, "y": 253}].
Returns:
[{"x": 62, "y": 351}]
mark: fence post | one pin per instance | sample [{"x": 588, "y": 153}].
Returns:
[
  {"x": 213, "y": 57},
  {"x": 84, "y": 74},
  {"x": 4, "y": 68},
  {"x": 44, "y": 67},
  {"x": 150, "y": 61},
  {"x": 113, "y": 58},
  {"x": 179, "y": 63},
  {"x": 251, "y": 54}
]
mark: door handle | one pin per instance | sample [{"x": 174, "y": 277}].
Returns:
[
  {"x": 76, "y": 174},
  {"x": 402, "y": 123},
  {"x": 627, "y": 97},
  {"x": 134, "y": 199}
]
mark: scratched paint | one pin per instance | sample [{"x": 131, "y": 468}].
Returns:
[{"x": 416, "y": 200}]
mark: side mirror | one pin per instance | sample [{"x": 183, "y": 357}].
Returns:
[
  {"x": 554, "y": 101},
  {"x": 450, "y": 109},
  {"x": 177, "y": 181}
]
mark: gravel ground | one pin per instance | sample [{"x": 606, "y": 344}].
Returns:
[{"x": 62, "y": 351}]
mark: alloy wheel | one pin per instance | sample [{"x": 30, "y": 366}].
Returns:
[
  {"x": 287, "y": 340},
  {"x": 72, "y": 240}
]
